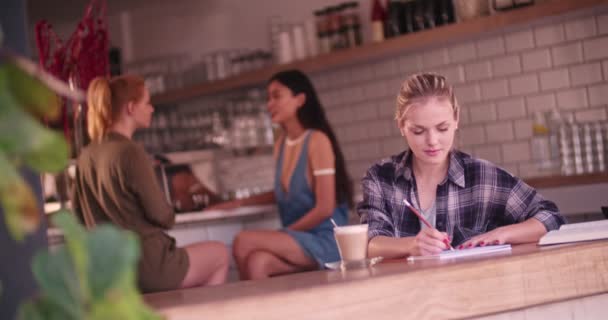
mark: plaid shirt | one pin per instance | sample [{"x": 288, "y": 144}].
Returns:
[{"x": 475, "y": 197}]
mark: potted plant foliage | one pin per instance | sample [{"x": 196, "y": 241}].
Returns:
[{"x": 92, "y": 276}]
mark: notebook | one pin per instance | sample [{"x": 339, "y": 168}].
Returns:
[
  {"x": 462, "y": 253},
  {"x": 575, "y": 232}
]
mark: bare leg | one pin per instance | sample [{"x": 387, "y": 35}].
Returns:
[
  {"x": 208, "y": 264},
  {"x": 279, "y": 244},
  {"x": 263, "y": 264}
]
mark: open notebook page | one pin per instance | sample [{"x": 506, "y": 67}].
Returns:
[
  {"x": 477, "y": 251},
  {"x": 584, "y": 231}
]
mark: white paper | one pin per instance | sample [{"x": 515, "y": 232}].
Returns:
[
  {"x": 477, "y": 251},
  {"x": 584, "y": 231},
  {"x": 586, "y": 225}
]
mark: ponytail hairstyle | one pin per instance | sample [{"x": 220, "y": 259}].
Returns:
[
  {"x": 106, "y": 98},
  {"x": 312, "y": 116}
]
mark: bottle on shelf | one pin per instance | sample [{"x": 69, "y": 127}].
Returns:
[
  {"x": 588, "y": 153},
  {"x": 352, "y": 23},
  {"x": 599, "y": 146},
  {"x": 407, "y": 12},
  {"x": 577, "y": 150},
  {"x": 394, "y": 14},
  {"x": 554, "y": 123},
  {"x": 322, "y": 30},
  {"x": 378, "y": 17},
  {"x": 444, "y": 12},
  {"x": 540, "y": 142}
]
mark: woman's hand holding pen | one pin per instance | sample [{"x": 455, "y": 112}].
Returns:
[{"x": 430, "y": 241}]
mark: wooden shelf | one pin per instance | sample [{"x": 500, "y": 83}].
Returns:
[
  {"x": 566, "y": 181},
  {"x": 409, "y": 42}
]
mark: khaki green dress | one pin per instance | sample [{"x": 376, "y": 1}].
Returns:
[{"x": 115, "y": 182}]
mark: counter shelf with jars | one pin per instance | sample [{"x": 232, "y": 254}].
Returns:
[{"x": 400, "y": 44}]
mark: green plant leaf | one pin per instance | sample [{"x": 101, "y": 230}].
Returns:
[
  {"x": 127, "y": 306},
  {"x": 76, "y": 243},
  {"x": 41, "y": 309},
  {"x": 24, "y": 138},
  {"x": 21, "y": 213},
  {"x": 58, "y": 282},
  {"x": 31, "y": 93},
  {"x": 116, "y": 254},
  {"x": 50, "y": 153}
]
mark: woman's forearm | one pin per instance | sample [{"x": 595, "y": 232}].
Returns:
[
  {"x": 390, "y": 248},
  {"x": 528, "y": 231}
]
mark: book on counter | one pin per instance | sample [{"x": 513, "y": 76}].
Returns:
[{"x": 576, "y": 232}]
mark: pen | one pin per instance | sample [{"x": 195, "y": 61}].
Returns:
[{"x": 426, "y": 223}]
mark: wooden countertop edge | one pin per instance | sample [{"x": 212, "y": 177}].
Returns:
[
  {"x": 457, "y": 291},
  {"x": 566, "y": 181}
]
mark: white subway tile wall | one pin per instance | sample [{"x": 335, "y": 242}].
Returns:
[
  {"x": 504, "y": 66},
  {"x": 572, "y": 99},
  {"x": 524, "y": 84},
  {"x": 548, "y": 35},
  {"x": 410, "y": 63},
  {"x": 521, "y": 40},
  {"x": 523, "y": 129},
  {"x": 386, "y": 68},
  {"x": 554, "y": 79},
  {"x": 586, "y": 74},
  {"x": 536, "y": 60},
  {"x": 594, "y": 114},
  {"x": 511, "y": 108},
  {"x": 596, "y": 48},
  {"x": 567, "y": 54},
  {"x": 467, "y": 93},
  {"x": 454, "y": 74},
  {"x": 435, "y": 58},
  {"x": 494, "y": 89},
  {"x": 500, "y": 131},
  {"x": 482, "y": 113},
  {"x": 462, "y": 52},
  {"x": 516, "y": 152},
  {"x": 478, "y": 71},
  {"x": 581, "y": 28},
  {"x": 490, "y": 47},
  {"x": 542, "y": 103},
  {"x": 500, "y": 81},
  {"x": 490, "y": 153},
  {"x": 602, "y": 23},
  {"x": 598, "y": 95}
]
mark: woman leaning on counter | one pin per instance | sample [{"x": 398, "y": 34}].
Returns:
[
  {"x": 115, "y": 183},
  {"x": 469, "y": 201},
  {"x": 311, "y": 186}
]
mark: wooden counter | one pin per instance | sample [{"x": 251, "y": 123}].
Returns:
[
  {"x": 563, "y": 181},
  {"x": 529, "y": 276}
]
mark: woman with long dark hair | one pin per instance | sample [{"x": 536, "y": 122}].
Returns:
[{"x": 311, "y": 186}]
